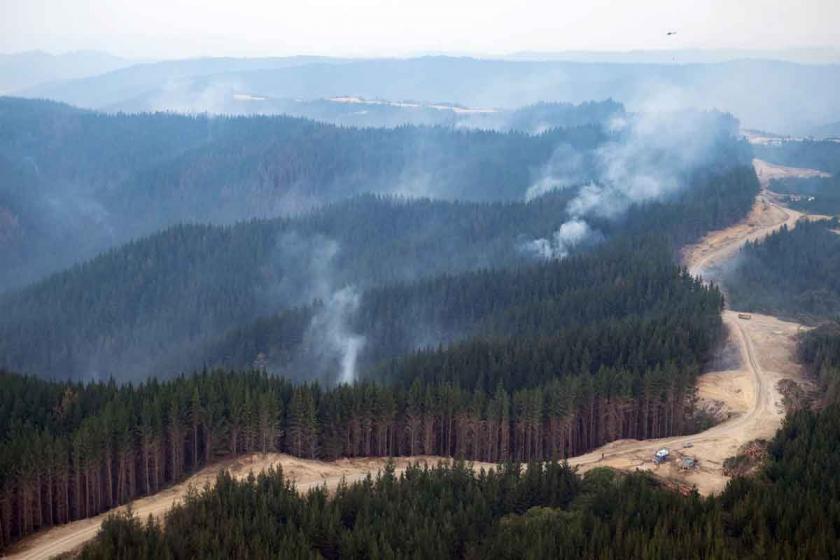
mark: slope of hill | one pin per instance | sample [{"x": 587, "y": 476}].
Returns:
[
  {"x": 161, "y": 299},
  {"x": 102, "y": 180},
  {"x": 155, "y": 296},
  {"x": 148, "y": 435}
]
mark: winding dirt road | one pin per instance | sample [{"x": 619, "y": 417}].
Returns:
[
  {"x": 305, "y": 473},
  {"x": 764, "y": 346}
]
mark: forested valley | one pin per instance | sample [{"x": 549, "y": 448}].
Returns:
[
  {"x": 201, "y": 295},
  {"x": 380, "y": 325},
  {"x": 274, "y": 284},
  {"x": 77, "y": 182},
  {"x": 555, "y": 372},
  {"x": 376, "y": 279}
]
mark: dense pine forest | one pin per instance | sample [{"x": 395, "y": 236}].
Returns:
[
  {"x": 819, "y": 349},
  {"x": 552, "y": 371},
  {"x": 159, "y": 295},
  {"x": 179, "y": 299},
  {"x": 334, "y": 305},
  {"x": 790, "y": 510},
  {"x": 78, "y": 182},
  {"x": 465, "y": 345},
  {"x": 610, "y": 294},
  {"x": 793, "y": 271},
  {"x": 71, "y": 451},
  {"x": 334, "y": 292}
]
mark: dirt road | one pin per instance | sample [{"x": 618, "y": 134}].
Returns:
[
  {"x": 765, "y": 345},
  {"x": 765, "y": 348},
  {"x": 306, "y": 474},
  {"x": 748, "y": 390}
]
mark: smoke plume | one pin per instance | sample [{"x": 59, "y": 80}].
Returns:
[
  {"x": 649, "y": 158},
  {"x": 330, "y": 346}
]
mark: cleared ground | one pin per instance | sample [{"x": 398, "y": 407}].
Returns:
[
  {"x": 763, "y": 347},
  {"x": 306, "y": 474},
  {"x": 767, "y": 172},
  {"x": 766, "y": 347}
]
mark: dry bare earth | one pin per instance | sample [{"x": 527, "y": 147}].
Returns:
[
  {"x": 747, "y": 392},
  {"x": 766, "y": 346},
  {"x": 305, "y": 473}
]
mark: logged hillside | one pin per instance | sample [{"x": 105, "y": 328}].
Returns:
[
  {"x": 100, "y": 180},
  {"x": 812, "y": 154},
  {"x": 791, "y": 272}
]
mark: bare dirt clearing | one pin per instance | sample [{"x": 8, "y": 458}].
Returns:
[
  {"x": 766, "y": 346},
  {"x": 767, "y": 172},
  {"x": 747, "y": 389},
  {"x": 306, "y": 474}
]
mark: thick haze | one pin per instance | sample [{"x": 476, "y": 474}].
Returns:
[{"x": 186, "y": 28}]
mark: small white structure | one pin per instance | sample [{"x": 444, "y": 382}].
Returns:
[{"x": 661, "y": 456}]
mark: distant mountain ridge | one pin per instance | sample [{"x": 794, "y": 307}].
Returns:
[
  {"x": 794, "y": 98},
  {"x": 28, "y": 69}
]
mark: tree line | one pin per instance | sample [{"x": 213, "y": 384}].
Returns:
[
  {"x": 819, "y": 350},
  {"x": 71, "y": 451},
  {"x": 790, "y": 510}
]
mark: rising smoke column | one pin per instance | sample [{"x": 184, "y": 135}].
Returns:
[
  {"x": 331, "y": 333},
  {"x": 648, "y": 160},
  {"x": 330, "y": 344}
]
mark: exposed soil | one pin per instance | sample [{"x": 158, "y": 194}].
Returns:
[
  {"x": 768, "y": 172},
  {"x": 766, "y": 345},
  {"x": 760, "y": 352},
  {"x": 306, "y": 474}
]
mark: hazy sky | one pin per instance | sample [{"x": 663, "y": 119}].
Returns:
[{"x": 180, "y": 28}]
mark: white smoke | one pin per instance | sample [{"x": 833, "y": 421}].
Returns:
[
  {"x": 648, "y": 160},
  {"x": 329, "y": 340},
  {"x": 570, "y": 234},
  {"x": 565, "y": 168},
  {"x": 190, "y": 96},
  {"x": 331, "y": 332}
]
